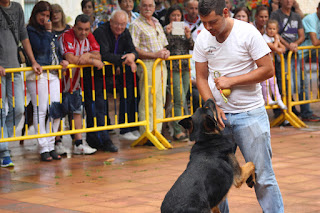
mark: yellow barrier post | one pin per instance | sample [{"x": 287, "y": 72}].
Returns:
[
  {"x": 286, "y": 115},
  {"x": 147, "y": 135},
  {"x": 297, "y": 122},
  {"x": 156, "y": 120}
]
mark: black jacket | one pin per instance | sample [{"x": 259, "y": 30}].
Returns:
[{"x": 107, "y": 42}]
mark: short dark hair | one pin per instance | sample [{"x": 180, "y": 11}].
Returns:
[
  {"x": 83, "y": 18},
  {"x": 84, "y": 2},
  {"x": 169, "y": 11},
  {"x": 207, "y": 6},
  {"x": 38, "y": 8}
]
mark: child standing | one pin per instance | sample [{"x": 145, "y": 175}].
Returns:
[{"x": 273, "y": 40}]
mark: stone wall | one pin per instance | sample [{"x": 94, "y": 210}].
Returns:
[{"x": 308, "y": 6}]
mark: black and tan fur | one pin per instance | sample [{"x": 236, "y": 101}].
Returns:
[{"x": 212, "y": 168}]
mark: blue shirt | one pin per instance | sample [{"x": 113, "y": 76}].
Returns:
[{"x": 311, "y": 24}]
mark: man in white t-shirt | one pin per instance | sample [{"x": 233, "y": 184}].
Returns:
[{"x": 238, "y": 52}]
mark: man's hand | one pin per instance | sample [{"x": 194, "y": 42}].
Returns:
[
  {"x": 163, "y": 54},
  {"x": 187, "y": 31},
  {"x": 84, "y": 59},
  {"x": 2, "y": 71},
  {"x": 223, "y": 82},
  {"x": 129, "y": 60},
  {"x": 221, "y": 116},
  {"x": 97, "y": 63},
  {"x": 64, "y": 64},
  {"x": 37, "y": 68},
  {"x": 293, "y": 47}
]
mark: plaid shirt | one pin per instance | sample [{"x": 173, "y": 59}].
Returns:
[{"x": 147, "y": 38}]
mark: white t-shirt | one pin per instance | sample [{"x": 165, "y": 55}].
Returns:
[
  {"x": 235, "y": 56},
  {"x": 268, "y": 39}
]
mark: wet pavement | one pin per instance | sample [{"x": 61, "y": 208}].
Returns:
[{"x": 136, "y": 179}]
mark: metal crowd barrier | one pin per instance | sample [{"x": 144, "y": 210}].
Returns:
[
  {"x": 285, "y": 114},
  {"x": 173, "y": 117},
  {"x": 145, "y": 136},
  {"x": 153, "y": 135},
  {"x": 307, "y": 94}
]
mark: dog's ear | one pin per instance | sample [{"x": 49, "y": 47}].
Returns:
[
  {"x": 209, "y": 103},
  {"x": 210, "y": 125},
  {"x": 186, "y": 123}
]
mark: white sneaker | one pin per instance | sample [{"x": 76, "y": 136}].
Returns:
[
  {"x": 281, "y": 105},
  {"x": 60, "y": 149},
  {"x": 83, "y": 149},
  {"x": 128, "y": 136},
  {"x": 136, "y": 133}
]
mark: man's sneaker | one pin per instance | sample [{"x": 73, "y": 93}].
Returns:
[
  {"x": 6, "y": 162},
  {"x": 108, "y": 146},
  {"x": 128, "y": 137},
  {"x": 60, "y": 149},
  {"x": 136, "y": 133},
  {"x": 312, "y": 118},
  {"x": 83, "y": 149}
]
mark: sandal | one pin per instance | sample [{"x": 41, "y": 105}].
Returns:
[
  {"x": 45, "y": 156},
  {"x": 54, "y": 155},
  {"x": 181, "y": 138}
]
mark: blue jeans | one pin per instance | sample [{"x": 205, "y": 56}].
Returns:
[
  {"x": 251, "y": 132},
  {"x": 306, "y": 111},
  {"x": 7, "y": 121}
]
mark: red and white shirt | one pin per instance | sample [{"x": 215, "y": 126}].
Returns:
[
  {"x": 70, "y": 44},
  {"x": 195, "y": 26}
]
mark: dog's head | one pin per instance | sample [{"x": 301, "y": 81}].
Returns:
[{"x": 203, "y": 122}]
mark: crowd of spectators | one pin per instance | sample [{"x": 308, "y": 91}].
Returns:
[{"x": 127, "y": 36}]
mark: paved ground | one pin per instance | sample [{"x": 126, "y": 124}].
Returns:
[{"x": 138, "y": 179}]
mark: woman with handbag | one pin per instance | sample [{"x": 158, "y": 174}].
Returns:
[{"x": 46, "y": 51}]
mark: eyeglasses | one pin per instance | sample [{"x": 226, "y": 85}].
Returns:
[{"x": 57, "y": 11}]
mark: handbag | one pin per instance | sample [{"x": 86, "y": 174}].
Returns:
[{"x": 22, "y": 55}]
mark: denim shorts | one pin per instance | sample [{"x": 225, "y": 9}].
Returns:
[{"x": 72, "y": 103}]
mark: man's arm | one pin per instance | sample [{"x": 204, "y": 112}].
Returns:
[
  {"x": 35, "y": 66},
  {"x": 92, "y": 58},
  {"x": 164, "y": 54},
  {"x": 204, "y": 89},
  {"x": 315, "y": 41},
  {"x": 202, "y": 74},
  {"x": 293, "y": 46},
  {"x": 301, "y": 36},
  {"x": 264, "y": 71}
]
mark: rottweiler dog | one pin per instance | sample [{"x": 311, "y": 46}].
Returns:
[{"x": 212, "y": 168}]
